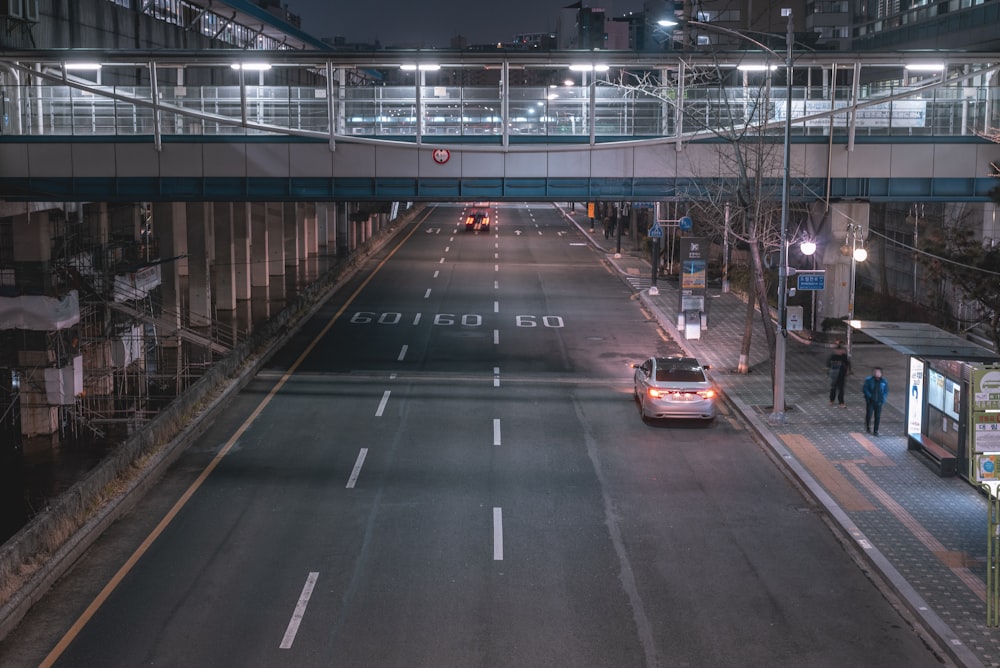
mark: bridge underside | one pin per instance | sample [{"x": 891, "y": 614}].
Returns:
[{"x": 280, "y": 169}]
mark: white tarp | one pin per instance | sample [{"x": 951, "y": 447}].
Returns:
[
  {"x": 136, "y": 285},
  {"x": 63, "y": 385},
  {"x": 40, "y": 313},
  {"x": 127, "y": 348}
]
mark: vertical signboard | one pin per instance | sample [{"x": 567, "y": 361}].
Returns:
[
  {"x": 694, "y": 265},
  {"x": 986, "y": 409},
  {"x": 915, "y": 400}
]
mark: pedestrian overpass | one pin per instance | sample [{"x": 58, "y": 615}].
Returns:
[{"x": 504, "y": 125}]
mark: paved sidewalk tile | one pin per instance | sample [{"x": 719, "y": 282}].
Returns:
[{"x": 928, "y": 532}]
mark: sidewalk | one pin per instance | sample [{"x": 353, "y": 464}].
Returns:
[{"x": 924, "y": 534}]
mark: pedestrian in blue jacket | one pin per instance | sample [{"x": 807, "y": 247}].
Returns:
[{"x": 876, "y": 389}]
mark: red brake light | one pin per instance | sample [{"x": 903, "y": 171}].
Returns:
[
  {"x": 654, "y": 393},
  {"x": 706, "y": 394}
]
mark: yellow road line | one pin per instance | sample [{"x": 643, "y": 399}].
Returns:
[
  {"x": 953, "y": 560},
  {"x": 112, "y": 584},
  {"x": 840, "y": 488}
]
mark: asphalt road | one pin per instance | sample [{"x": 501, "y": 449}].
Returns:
[{"x": 447, "y": 468}]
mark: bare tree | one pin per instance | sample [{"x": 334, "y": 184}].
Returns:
[{"x": 737, "y": 119}]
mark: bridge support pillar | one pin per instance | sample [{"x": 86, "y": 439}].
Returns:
[
  {"x": 259, "y": 256},
  {"x": 224, "y": 284},
  {"x": 241, "y": 250},
  {"x": 290, "y": 223},
  {"x": 834, "y": 300},
  {"x": 170, "y": 224},
  {"x": 275, "y": 240},
  {"x": 199, "y": 218}
]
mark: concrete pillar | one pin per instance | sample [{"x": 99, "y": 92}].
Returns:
[
  {"x": 290, "y": 221},
  {"x": 344, "y": 235},
  {"x": 96, "y": 217},
  {"x": 33, "y": 237},
  {"x": 310, "y": 229},
  {"x": 259, "y": 256},
  {"x": 834, "y": 300},
  {"x": 224, "y": 265},
  {"x": 275, "y": 240},
  {"x": 326, "y": 226},
  {"x": 199, "y": 219},
  {"x": 241, "y": 250},
  {"x": 170, "y": 230}
]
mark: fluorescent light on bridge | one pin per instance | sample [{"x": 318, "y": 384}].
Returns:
[
  {"x": 422, "y": 68},
  {"x": 666, "y": 23},
  {"x": 756, "y": 68},
  {"x": 588, "y": 68},
  {"x": 925, "y": 67},
  {"x": 251, "y": 67},
  {"x": 83, "y": 66}
]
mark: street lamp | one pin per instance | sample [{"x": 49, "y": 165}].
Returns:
[
  {"x": 855, "y": 234},
  {"x": 778, "y": 409}
]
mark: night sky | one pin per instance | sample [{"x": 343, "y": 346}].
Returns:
[{"x": 435, "y": 22}]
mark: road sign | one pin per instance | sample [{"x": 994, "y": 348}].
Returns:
[
  {"x": 655, "y": 232},
  {"x": 811, "y": 281},
  {"x": 685, "y": 223}
]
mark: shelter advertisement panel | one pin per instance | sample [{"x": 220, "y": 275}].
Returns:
[
  {"x": 986, "y": 409},
  {"x": 694, "y": 266}
]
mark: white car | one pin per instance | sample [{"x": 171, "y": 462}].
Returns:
[{"x": 674, "y": 387}]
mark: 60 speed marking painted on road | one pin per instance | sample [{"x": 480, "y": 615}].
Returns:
[{"x": 449, "y": 319}]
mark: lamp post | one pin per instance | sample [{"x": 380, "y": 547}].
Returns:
[
  {"x": 858, "y": 254},
  {"x": 778, "y": 409}
]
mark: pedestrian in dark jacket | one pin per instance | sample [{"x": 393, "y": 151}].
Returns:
[
  {"x": 838, "y": 365},
  {"x": 876, "y": 389}
]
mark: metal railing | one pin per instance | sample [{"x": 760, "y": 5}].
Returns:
[{"x": 474, "y": 113}]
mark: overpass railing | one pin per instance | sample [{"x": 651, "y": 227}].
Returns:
[{"x": 603, "y": 111}]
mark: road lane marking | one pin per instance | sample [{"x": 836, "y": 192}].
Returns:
[
  {"x": 402, "y": 353},
  {"x": 381, "y": 404},
  {"x": 129, "y": 564},
  {"x": 839, "y": 487},
  {"x": 496, "y": 337},
  {"x": 497, "y": 534},
  {"x": 496, "y": 307},
  {"x": 300, "y": 611},
  {"x": 441, "y": 261},
  {"x": 496, "y": 267},
  {"x": 436, "y": 272},
  {"x": 357, "y": 468},
  {"x": 416, "y": 319},
  {"x": 496, "y": 431},
  {"x": 496, "y": 376},
  {"x": 447, "y": 248},
  {"x": 496, "y": 285},
  {"x": 427, "y": 294}
]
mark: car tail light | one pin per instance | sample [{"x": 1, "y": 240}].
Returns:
[
  {"x": 706, "y": 394},
  {"x": 654, "y": 393}
]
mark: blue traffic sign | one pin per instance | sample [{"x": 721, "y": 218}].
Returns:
[
  {"x": 685, "y": 223},
  {"x": 812, "y": 281},
  {"x": 656, "y": 232}
]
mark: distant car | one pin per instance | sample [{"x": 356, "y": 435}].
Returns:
[
  {"x": 477, "y": 220},
  {"x": 674, "y": 387}
]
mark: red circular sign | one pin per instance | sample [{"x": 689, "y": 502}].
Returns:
[{"x": 441, "y": 155}]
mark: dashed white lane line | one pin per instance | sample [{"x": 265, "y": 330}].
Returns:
[
  {"x": 300, "y": 611},
  {"x": 496, "y": 307},
  {"x": 447, "y": 248},
  {"x": 496, "y": 285},
  {"x": 497, "y": 534},
  {"x": 441, "y": 261},
  {"x": 496, "y": 267},
  {"x": 357, "y": 468},
  {"x": 496, "y": 337},
  {"x": 381, "y": 404},
  {"x": 496, "y": 376},
  {"x": 427, "y": 294},
  {"x": 416, "y": 319},
  {"x": 402, "y": 353},
  {"x": 496, "y": 431},
  {"x": 436, "y": 273}
]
